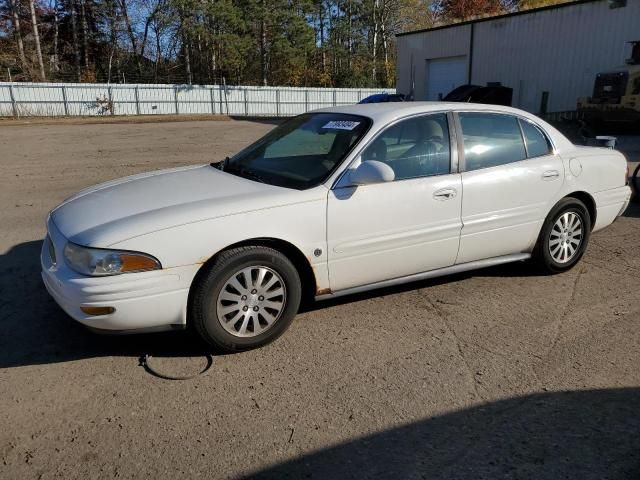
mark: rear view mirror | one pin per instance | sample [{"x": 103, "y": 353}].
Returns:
[{"x": 372, "y": 171}]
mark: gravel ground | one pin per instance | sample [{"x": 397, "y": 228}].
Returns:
[{"x": 498, "y": 373}]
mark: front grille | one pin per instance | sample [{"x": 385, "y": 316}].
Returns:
[{"x": 52, "y": 250}]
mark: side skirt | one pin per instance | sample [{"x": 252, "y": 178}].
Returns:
[{"x": 463, "y": 267}]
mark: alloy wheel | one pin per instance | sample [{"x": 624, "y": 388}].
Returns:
[{"x": 251, "y": 301}]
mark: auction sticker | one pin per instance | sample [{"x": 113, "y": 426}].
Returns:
[{"x": 342, "y": 124}]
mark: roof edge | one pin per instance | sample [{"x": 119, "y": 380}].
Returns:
[{"x": 499, "y": 17}]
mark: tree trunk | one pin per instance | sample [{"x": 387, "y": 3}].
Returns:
[
  {"x": 56, "y": 36},
  {"x": 263, "y": 43},
  {"x": 74, "y": 31},
  {"x": 350, "y": 38},
  {"x": 16, "y": 26},
  {"x": 321, "y": 26},
  {"x": 113, "y": 36},
  {"x": 374, "y": 47},
  {"x": 85, "y": 34},
  {"x": 36, "y": 38},
  {"x": 132, "y": 36},
  {"x": 158, "y": 51}
]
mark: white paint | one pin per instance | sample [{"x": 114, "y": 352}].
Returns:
[
  {"x": 90, "y": 99},
  {"x": 367, "y": 234},
  {"x": 558, "y": 50},
  {"x": 443, "y": 75}
]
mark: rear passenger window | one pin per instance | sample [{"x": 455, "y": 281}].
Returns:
[
  {"x": 491, "y": 139},
  {"x": 537, "y": 143}
]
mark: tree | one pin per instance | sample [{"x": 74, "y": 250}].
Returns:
[{"x": 36, "y": 37}]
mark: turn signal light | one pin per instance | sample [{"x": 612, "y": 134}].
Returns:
[
  {"x": 98, "y": 310},
  {"x": 137, "y": 263}
]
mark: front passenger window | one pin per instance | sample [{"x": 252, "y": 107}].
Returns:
[
  {"x": 491, "y": 139},
  {"x": 416, "y": 147}
]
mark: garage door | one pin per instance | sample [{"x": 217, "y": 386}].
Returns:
[{"x": 445, "y": 74}]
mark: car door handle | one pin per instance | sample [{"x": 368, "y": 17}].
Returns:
[
  {"x": 550, "y": 174},
  {"x": 445, "y": 194}
]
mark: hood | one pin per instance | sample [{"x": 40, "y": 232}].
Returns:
[{"x": 125, "y": 208}]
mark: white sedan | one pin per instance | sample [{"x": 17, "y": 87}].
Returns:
[{"x": 331, "y": 202}]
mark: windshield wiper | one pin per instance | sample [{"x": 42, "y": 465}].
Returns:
[
  {"x": 222, "y": 165},
  {"x": 244, "y": 172}
]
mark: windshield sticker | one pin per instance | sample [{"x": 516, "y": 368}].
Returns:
[{"x": 342, "y": 124}]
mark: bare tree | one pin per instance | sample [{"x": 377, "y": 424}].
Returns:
[
  {"x": 85, "y": 34},
  {"x": 74, "y": 32},
  {"x": 36, "y": 37},
  {"x": 55, "y": 61},
  {"x": 16, "y": 26}
]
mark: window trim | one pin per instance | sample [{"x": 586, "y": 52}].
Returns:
[
  {"x": 340, "y": 181},
  {"x": 461, "y": 157}
]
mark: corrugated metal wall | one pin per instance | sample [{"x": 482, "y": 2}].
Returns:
[
  {"x": 58, "y": 99},
  {"x": 557, "y": 50}
]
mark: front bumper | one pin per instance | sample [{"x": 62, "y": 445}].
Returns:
[{"x": 145, "y": 301}]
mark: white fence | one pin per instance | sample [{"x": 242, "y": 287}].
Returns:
[{"x": 83, "y": 99}]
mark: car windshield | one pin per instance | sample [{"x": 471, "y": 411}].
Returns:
[{"x": 302, "y": 152}]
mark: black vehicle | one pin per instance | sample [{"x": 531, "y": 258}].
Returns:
[
  {"x": 383, "y": 98},
  {"x": 491, "y": 94}
]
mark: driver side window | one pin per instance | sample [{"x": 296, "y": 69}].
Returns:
[{"x": 416, "y": 147}]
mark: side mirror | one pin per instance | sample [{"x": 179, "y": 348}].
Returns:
[{"x": 372, "y": 171}]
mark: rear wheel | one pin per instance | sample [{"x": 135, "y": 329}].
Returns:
[
  {"x": 564, "y": 236},
  {"x": 246, "y": 299}
]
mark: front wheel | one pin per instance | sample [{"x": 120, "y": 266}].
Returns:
[
  {"x": 564, "y": 236},
  {"x": 245, "y": 299}
]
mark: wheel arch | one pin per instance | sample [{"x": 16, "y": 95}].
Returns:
[
  {"x": 588, "y": 201},
  {"x": 293, "y": 253}
]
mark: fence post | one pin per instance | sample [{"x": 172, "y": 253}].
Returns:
[
  {"x": 334, "y": 97},
  {"x": 137, "y": 101},
  {"x": 175, "y": 98},
  {"x": 13, "y": 102},
  {"x": 246, "y": 107},
  {"x": 213, "y": 101},
  {"x": 277, "y": 102},
  {"x": 64, "y": 100},
  {"x": 306, "y": 100},
  {"x": 110, "y": 96}
]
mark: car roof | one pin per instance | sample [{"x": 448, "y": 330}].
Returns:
[{"x": 385, "y": 112}]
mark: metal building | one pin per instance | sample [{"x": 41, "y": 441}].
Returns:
[{"x": 557, "y": 49}]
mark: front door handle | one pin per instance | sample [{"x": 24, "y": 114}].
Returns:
[
  {"x": 445, "y": 194},
  {"x": 550, "y": 175}
]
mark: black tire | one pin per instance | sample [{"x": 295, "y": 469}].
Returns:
[
  {"x": 210, "y": 282},
  {"x": 542, "y": 253},
  {"x": 635, "y": 183}
]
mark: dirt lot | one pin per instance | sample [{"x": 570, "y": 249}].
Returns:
[{"x": 494, "y": 374}]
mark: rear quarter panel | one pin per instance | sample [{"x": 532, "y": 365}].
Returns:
[{"x": 602, "y": 173}]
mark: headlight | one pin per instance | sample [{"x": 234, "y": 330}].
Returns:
[{"x": 99, "y": 262}]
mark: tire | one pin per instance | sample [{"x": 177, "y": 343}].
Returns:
[
  {"x": 254, "y": 314},
  {"x": 635, "y": 182},
  {"x": 550, "y": 252}
]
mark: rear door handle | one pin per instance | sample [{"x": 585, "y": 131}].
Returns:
[
  {"x": 550, "y": 174},
  {"x": 445, "y": 194}
]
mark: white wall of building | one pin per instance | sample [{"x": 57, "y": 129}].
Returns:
[{"x": 558, "y": 50}]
